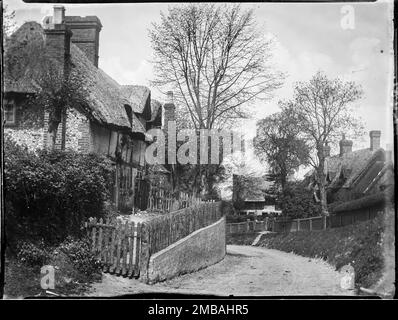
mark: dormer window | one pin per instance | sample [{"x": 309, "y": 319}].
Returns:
[{"x": 9, "y": 114}]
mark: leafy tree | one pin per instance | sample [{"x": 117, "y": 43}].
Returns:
[
  {"x": 323, "y": 109},
  {"x": 297, "y": 202},
  {"x": 278, "y": 143},
  {"x": 214, "y": 59}
]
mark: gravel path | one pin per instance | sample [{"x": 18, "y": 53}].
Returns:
[{"x": 245, "y": 271}]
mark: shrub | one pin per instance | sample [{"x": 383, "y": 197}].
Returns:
[
  {"x": 227, "y": 208},
  {"x": 50, "y": 194},
  {"x": 79, "y": 253},
  {"x": 33, "y": 254},
  {"x": 297, "y": 202}
]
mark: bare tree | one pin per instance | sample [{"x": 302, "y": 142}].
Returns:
[
  {"x": 324, "y": 111},
  {"x": 278, "y": 143},
  {"x": 214, "y": 59}
]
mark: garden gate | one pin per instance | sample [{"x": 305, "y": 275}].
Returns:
[{"x": 117, "y": 245}]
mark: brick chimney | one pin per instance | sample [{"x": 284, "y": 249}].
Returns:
[
  {"x": 374, "y": 139},
  {"x": 57, "y": 36},
  {"x": 326, "y": 150},
  {"x": 345, "y": 146},
  {"x": 86, "y": 35},
  {"x": 170, "y": 132},
  {"x": 169, "y": 109}
]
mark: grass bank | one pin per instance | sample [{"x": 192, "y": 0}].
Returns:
[{"x": 362, "y": 245}]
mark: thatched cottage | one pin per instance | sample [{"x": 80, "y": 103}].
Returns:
[
  {"x": 113, "y": 119},
  {"x": 358, "y": 182}
]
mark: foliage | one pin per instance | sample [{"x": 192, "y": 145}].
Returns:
[
  {"x": 227, "y": 208},
  {"x": 297, "y": 202},
  {"x": 214, "y": 59},
  {"x": 323, "y": 109},
  {"x": 33, "y": 254},
  {"x": 278, "y": 143},
  {"x": 60, "y": 90},
  {"x": 74, "y": 264},
  {"x": 80, "y": 254},
  {"x": 359, "y": 245},
  {"x": 50, "y": 194}
]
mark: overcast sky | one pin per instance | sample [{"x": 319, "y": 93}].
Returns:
[{"x": 309, "y": 38}]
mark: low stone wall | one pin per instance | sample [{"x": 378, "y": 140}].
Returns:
[{"x": 198, "y": 250}]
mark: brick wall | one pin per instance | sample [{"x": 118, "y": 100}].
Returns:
[
  {"x": 78, "y": 136},
  {"x": 86, "y": 36},
  {"x": 198, "y": 250}
]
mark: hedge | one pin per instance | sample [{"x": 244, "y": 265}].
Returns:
[{"x": 49, "y": 194}]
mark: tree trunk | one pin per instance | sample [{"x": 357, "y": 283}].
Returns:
[{"x": 322, "y": 183}]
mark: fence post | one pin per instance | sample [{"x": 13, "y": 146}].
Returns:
[
  {"x": 298, "y": 224},
  {"x": 310, "y": 224},
  {"x": 144, "y": 254},
  {"x": 247, "y": 225}
]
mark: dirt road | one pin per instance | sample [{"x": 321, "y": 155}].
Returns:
[{"x": 245, "y": 271}]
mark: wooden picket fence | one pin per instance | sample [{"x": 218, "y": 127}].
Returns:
[
  {"x": 292, "y": 225},
  {"x": 117, "y": 245},
  {"x": 247, "y": 226},
  {"x": 163, "y": 201}
]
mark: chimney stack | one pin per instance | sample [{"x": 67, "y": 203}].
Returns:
[
  {"x": 86, "y": 35},
  {"x": 374, "y": 139},
  {"x": 169, "y": 109},
  {"x": 345, "y": 146},
  {"x": 170, "y": 98},
  {"x": 59, "y": 15},
  {"x": 57, "y": 36}
]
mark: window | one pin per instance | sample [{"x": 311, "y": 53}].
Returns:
[{"x": 9, "y": 114}]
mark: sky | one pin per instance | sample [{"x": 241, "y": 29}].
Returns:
[{"x": 308, "y": 37}]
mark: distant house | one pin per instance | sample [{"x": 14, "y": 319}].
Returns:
[
  {"x": 260, "y": 207},
  {"x": 357, "y": 177},
  {"x": 114, "y": 118},
  {"x": 250, "y": 197}
]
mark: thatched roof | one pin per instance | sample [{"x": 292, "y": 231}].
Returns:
[
  {"x": 156, "y": 110},
  {"x": 347, "y": 166},
  {"x": 138, "y": 97},
  {"x": 22, "y": 68},
  {"x": 380, "y": 198},
  {"x": 106, "y": 98}
]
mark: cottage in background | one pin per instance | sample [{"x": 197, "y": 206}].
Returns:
[{"x": 113, "y": 120}]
